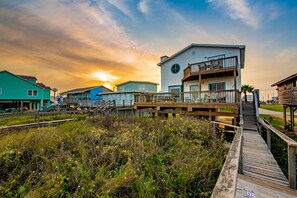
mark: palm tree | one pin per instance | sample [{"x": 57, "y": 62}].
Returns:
[
  {"x": 246, "y": 88},
  {"x": 55, "y": 90}
]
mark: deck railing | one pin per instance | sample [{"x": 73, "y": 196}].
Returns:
[
  {"x": 225, "y": 96},
  {"x": 227, "y": 181},
  {"x": 291, "y": 144},
  {"x": 218, "y": 64}
]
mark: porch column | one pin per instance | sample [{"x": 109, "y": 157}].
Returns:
[
  {"x": 200, "y": 87},
  {"x": 235, "y": 95},
  {"x": 292, "y": 117},
  {"x": 284, "y": 115},
  {"x": 22, "y": 106},
  {"x": 30, "y": 105}
]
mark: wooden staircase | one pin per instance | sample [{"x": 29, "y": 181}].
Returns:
[{"x": 105, "y": 108}]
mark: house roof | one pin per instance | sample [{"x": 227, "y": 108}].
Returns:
[
  {"x": 43, "y": 86},
  {"x": 132, "y": 81},
  {"x": 81, "y": 90},
  {"x": 201, "y": 45},
  {"x": 27, "y": 77},
  {"x": 120, "y": 92},
  {"x": 292, "y": 77}
]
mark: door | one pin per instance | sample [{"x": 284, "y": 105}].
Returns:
[
  {"x": 176, "y": 90},
  {"x": 195, "y": 93}
]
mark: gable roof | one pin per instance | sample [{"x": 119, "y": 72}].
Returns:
[
  {"x": 82, "y": 90},
  {"x": 43, "y": 86},
  {"x": 27, "y": 77},
  {"x": 200, "y": 45},
  {"x": 18, "y": 76},
  {"x": 292, "y": 77},
  {"x": 133, "y": 81}
]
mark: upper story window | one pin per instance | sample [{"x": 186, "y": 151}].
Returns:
[
  {"x": 216, "y": 86},
  {"x": 141, "y": 87},
  {"x": 175, "y": 68},
  {"x": 32, "y": 93}
]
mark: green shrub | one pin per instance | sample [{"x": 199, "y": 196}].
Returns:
[{"x": 112, "y": 156}]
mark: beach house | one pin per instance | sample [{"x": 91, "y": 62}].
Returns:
[
  {"x": 22, "y": 92},
  {"x": 201, "y": 79}
]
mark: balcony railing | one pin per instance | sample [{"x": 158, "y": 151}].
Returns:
[
  {"x": 211, "y": 97},
  {"x": 211, "y": 65}
]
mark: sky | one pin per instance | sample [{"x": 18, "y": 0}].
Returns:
[{"x": 69, "y": 44}]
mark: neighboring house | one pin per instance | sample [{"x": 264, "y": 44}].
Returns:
[
  {"x": 19, "y": 91},
  {"x": 201, "y": 79},
  {"x": 287, "y": 97},
  {"x": 84, "y": 97},
  {"x": 126, "y": 91}
]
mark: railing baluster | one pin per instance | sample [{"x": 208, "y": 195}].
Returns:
[
  {"x": 268, "y": 139},
  {"x": 292, "y": 166}
]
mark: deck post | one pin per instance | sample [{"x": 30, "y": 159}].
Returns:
[
  {"x": 292, "y": 166},
  {"x": 284, "y": 116},
  {"x": 269, "y": 139},
  {"x": 292, "y": 118}
]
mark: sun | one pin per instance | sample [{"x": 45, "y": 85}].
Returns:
[{"x": 104, "y": 76}]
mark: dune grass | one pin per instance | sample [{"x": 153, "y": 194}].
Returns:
[
  {"x": 30, "y": 119},
  {"x": 112, "y": 157}
]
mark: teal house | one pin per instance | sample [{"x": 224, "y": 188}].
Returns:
[
  {"x": 126, "y": 91},
  {"x": 22, "y": 92}
]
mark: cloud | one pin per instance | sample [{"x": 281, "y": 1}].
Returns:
[
  {"x": 238, "y": 10},
  {"x": 143, "y": 6},
  {"x": 64, "y": 42}
]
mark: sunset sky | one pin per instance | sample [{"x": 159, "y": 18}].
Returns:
[{"x": 69, "y": 44}]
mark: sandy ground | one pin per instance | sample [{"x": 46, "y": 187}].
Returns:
[{"x": 277, "y": 114}]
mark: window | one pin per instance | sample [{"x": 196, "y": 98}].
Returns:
[
  {"x": 175, "y": 68},
  {"x": 216, "y": 86},
  {"x": 32, "y": 93},
  {"x": 141, "y": 87}
]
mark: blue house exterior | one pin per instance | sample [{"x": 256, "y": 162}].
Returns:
[
  {"x": 138, "y": 86},
  {"x": 85, "y": 94},
  {"x": 126, "y": 91}
]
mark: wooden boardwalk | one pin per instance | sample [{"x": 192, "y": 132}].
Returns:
[{"x": 262, "y": 176}]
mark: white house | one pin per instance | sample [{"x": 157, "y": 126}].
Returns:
[{"x": 180, "y": 72}]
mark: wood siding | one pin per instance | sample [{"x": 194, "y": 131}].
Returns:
[{"x": 287, "y": 96}]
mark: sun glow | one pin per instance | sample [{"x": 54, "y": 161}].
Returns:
[{"x": 104, "y": 76}]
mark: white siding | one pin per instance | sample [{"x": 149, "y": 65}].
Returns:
[
  {"x": 204, "y": 83},
  {"x": 193, "y": 55}
]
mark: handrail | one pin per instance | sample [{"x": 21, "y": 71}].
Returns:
[
  {"x": 222, "y": 96},
  {"x": 227, "y": 181},
  {"x": 292, "y": 147},
  {"x": 203, "y": 62},
  {"x": 255, "y": 97},
  {"x": 281, "y": 135}
]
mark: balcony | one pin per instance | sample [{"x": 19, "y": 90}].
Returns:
[{"x": 212, "y": 68}]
